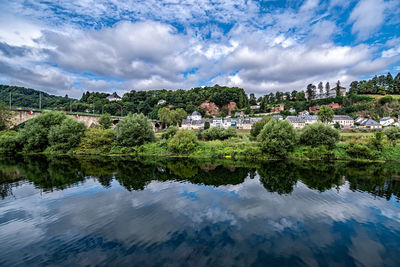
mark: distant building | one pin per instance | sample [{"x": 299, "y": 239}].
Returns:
[
  {"x": 309, "y": 119},
  {"x": 277, "y": 117},
  {"x": 332, "y": 93},
  {"x": 344, "y": 121},
  {"x": 292, "y": 110},
  {"x": 161, "y": 101},
  {"x": 298, "y": 123},
  {"x": 254, "y": 107},
  {"x": 196, "y": 116},
  {"x": 387, "y": 121},
  {"x": 113, "y": 97},
  {"x": 370, "y": 124}
]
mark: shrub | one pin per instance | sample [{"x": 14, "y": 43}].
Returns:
[
  {"x": 34, "y": 135},
  {"x": 258, "y": 126},
  {"x": 105, "y": 121},
  {"x": 5, "y": 116},
  {"x": 319, "y": 134},
  {"x": 183, "y": 142},
  {"x": 376, "y": 142},
  {"x": 8, "y": 142},
  {"x": 206, "y": 125},
  {"x": 277, "y": 138},
  {"x": 134, "y": 130},
  {"x": 219, "y": 133},
  {"x": 359, "y": 150},
  {"x": 65, "y": 136},
  {"x": 169, "y": 133},
  {"x": 97, "y": 139},
  {"x": 392, "y": 133}
]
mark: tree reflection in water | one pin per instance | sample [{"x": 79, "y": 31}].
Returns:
[{"x": 58, "y": 173}]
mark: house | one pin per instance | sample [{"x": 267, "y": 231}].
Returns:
[
  {"x": 254, "y": 107},
  {"x": 226, "y": 123},
  {"x": 297, "y": 122},
  {"x": 216, "y": 122},
  {"x": 332, "y": 91},
  {"x": 113, "y": 97},
  {"x": 246, "y": 125},
  {"x": 387, "y": 121},
  {"x": 278, "y": 117},
  {"x": 309, "y": 119},
  {"x": 370, "y": 124},
  {"x": 292, "y": 110},
  {"x": 196, "y": 116},
  {"x": 161, "y": 101},
  {"x": 344, "y": 121},
  {"x": 239, "y": 114},
  {"x": 304, "y": 112}
]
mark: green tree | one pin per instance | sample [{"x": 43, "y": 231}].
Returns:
[
  {"x": 97, "y": 140},
  {"x": 65, "y": 136},
  {"x": 5, "y": 116},
  {"x": 105, "y": 121},
  {"x": 178, "y": 115},
  {"x": 376, "y": 142},
  {"x": 34, "y": 135},
  {"x": 319, "y": 134},
  {"x": 183, "y": 142},
  {"x": 325, "y": 114},
  {"x": 206, "y": 125},
  {"x": 338, "y": 93},
  {"x": 393, "y": 134},
  {"x": 258, "y": 126},
  {"x": 134, "y": 130},
  {"x": 169, "y": 133},
  {"x": 277, "y": 138}
]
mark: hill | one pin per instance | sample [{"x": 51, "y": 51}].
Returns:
[{"x": 26, "y": 97}]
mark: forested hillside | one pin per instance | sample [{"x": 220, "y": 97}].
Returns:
[{"x": 26, "y": 97}]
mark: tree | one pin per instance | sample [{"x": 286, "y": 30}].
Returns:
[
  {"x": 65, "y": 136},
  {"x": 134, "y": 130},
  {"x": 338, "y": 93},
  {"x": 327, "y": 88},
  {"x": 206, "y": 125},
  {"x": 277, "y": 138},
  {"x": 321, "y": 88},
  {"x": 178, "y": 115},
  {"x": 171, "y": 117},
  {"x": 169, "y": 133},
  {"x": 5, "y": 116},
  {"x": 258, "y": 126},
  {"x": 164, "y": 115},
  {"x": 353, "y": 87},
  {"x": 183, "y": 142},
  {"x": 97, "y": 140},
  {"x": 105, "y": 121},
  {"x": 310, "y": 91},
  {"x": 393, "y": 134},
  {"x": 319, "y": 134},
  {"x": 34, "y": 135},
  {"x": 325, "y": 114}
]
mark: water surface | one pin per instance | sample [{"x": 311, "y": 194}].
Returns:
[{"x": 116, "y": 211}]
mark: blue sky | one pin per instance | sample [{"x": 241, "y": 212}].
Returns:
[{"x": 66, "y": 47}]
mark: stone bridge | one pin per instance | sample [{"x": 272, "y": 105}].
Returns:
[{"x": 90, "y": 120}]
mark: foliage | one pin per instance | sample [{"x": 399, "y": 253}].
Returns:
[
  {"x": 183, "y": 142},
  {"x": 134, "y": 130},
  {"x": 5, "y": 116},
  {"x": 258, "y": 126},
  {"x": 325, "y": 114},
  {"x": 171, "y": 117},
  {"x": 206, "y": 125},
  {"x": 34, "y": 136},
  {"x": 218, "y": 133},
  {"x": 359, "y": 150},
  {"x": 105, "y": 121},
  {"x": 277, "y": 138},
  {"x": 65, "y": 136},
  {"x": 169, "y": 133},
  {"x": 319, "y": 134},
  {"x": 376, "y": 142},
  {"x": 392, "y": 133},
  {"x": 98, "y": 140},
  {"x": 8, "y": 142}
]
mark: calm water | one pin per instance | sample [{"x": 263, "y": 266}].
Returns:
[{"x": 66, "y": 211}]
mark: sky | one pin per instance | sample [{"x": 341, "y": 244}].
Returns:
[{"x": 68, "y": 47}]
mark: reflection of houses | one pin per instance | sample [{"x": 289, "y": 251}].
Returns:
[
  {"x": 113, "y": 97},
  {"x": 369, "y": 123},
  {"x": 387, "y": 121}
]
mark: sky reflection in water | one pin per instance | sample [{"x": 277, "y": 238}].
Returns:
[{"x": 87, "y": 212}]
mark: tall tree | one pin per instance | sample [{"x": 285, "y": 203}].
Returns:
[
  {"x": 325, "y": 114},
  {"x": 310, "y": 91},
  {"x": 321, "y": 88},
  {"x": 327, "y": 88},
  {"x": 338, "y": 93},
  {"x": 5, "y": 116}
]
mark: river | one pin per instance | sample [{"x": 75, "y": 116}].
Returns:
[{"x": 162, "y": 212}]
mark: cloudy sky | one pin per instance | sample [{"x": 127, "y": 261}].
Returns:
[{"x": 66, "y": 47}]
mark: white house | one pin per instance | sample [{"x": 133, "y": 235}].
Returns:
[
  {"x": 297, "y": 122},
  {"x": 113, "y": 97},
  {"x": 387, "y": 121},
  {"x": 344, "y": 121},
  {"x": 216, "y": 122},
  {"x": 161, "y": 101},
  {"x": 309, "y": 119},
  {"x": 278, "y": 117},
  {"x": 196, "y": 116}
]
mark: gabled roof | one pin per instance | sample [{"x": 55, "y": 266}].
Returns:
[
  {"x": 385, "y": 118},
  {"x": 114, "y": 95},
  {"x": 342, "y": 117},
  {"x": 369, "y": 121}
]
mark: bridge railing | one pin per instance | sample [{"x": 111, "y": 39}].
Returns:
[{"x": 16, "y": 108}]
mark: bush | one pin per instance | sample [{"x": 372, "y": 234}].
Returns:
[
  {"x": 183, "y": 142},
  {"x": 376, "y": 142},
  {"x": 8, "y": 142},
  {"x": 34, "y": 136},
  {"x": 97, "y": 139},
  {"x": 392, "y": 133},
  {"x": 65, "y": 136},
  {"x": 206, "y": 125},
  {"x": 319, "y": 134},
  {"x": 219, "y": 133},
  {"x": 359, "y": 150},
  {"x": 277, "y": 138},
  {"x": 258, "y": 126},
  {"x": 134, "y": 130},
  {"x": 169, "y": 133},
  {"x": 105, "y": 121}
]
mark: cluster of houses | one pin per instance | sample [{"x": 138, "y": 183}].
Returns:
[{"x": 298, "y": 122}]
